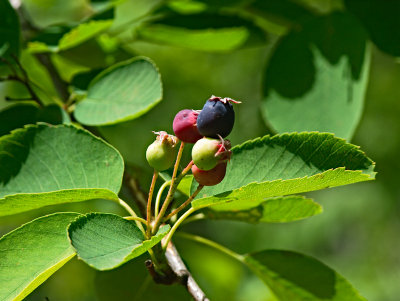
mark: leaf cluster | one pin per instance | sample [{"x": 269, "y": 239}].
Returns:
[{"x": 77, "y": 78}]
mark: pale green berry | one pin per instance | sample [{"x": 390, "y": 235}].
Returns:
[
  {"x": 208, "y": 152},
  {"x": 161, "y": 154}
]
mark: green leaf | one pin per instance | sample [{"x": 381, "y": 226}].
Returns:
[
  {"x": 286, "y": 164},
  {"x": 43, "y": 165},
  {"x": 18, "y": 115},
  {"x": 82, "y": 33},
  {"x": 32, "y": 253},
  {"x": 122, "y": 92},
  {"x": 273, "y": 210},
  {"x": 203, "y": 32},
  {"x": 185, "y": 185},
  {"x": 106, "y": 241},
  {"x": 379, "y": 18},
  {"x": 10, "y": 34},
  {"x": 296, "y": 277},
  {"x": 321, "y": 70},
  {"x": 55, "y": 12}
]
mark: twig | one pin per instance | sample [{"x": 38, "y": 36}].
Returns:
[
  {"x": 175, "y": 262},
  {"x": 60, "y": 85},
  {"x": 137, "y": 194},
  {"x": 8, "y": 98},
  {"x": 26, "y": 83},
  {"x": 44, "y": 58},
  {"x": 149, "y": 199},
  {"x": 187, "y": 202}
]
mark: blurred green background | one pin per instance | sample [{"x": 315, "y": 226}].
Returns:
[{"x": 357, "y": 235}]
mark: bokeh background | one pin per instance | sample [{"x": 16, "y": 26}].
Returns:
[{"x": 357, "y": 234}]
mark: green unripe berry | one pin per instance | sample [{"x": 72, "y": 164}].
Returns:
[
  {"x": 208, "y": 152},
  {"x": 161, "y": 154}
]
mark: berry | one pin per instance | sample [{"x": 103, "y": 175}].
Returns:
[
  {"x": 217, "y": 117},
  {"x": 209, "y": 177},
  {"x": 208, "y": 152},
  {"x": 162, "y": 152},
  {"x": 185, "y": 127}
]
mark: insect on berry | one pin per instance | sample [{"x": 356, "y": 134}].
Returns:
[
  {"x": 217, "y": 117},
  {"x": 208, "y": 152},
  {"x": 185, "y": 127},
  {"x": 162, "y": 152},
  {"x": 209, "y": 177}
]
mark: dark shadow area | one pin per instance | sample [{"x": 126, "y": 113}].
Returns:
[
  {"x": 133, "y": 282},
  {"x": 305, "y": 272},
  {"x": 382, "y": 21},
  {"x": 13, "y": 154},
  {"x": 282, "y": 10},
  {"x": 82, "y": 80},
  {"x": 16, "y": 116},
  {"x": 291, "y": 69}
]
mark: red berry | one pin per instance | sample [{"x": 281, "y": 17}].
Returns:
[
  {"x": 185, "y": 127},
  {"x": 209, "y": 177}
]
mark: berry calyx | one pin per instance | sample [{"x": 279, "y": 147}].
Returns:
[
  {"x": 208, "y": 152},
  {"x": 217, "y": 117},
  {"x": 209, "y": 177},
  {"x": 162, "y": 152},
  {"x": 185, "y": 127}
]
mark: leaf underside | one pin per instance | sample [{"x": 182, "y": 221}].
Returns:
[
  {"x": 273, "y": 210},
  {"x": 296, "y": 277},
  {"x": 122, "y": 92},
  {"x": 317, "y": 77}
]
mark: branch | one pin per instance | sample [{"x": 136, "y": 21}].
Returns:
[{"x": 175, "y": 262}]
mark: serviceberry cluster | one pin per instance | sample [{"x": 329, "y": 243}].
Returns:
[
  {"x": 207, "y": 129},
  {"x": 210, "y": 154}
]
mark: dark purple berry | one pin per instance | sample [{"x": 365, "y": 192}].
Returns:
[
  {"x": 216, "y": 118},
  {"x": 184, "y": 126},
  {"x": 209, "y": 177}
]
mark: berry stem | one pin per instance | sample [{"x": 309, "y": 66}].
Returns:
[
  {"x": 185, "y": 171},
  {"x": 153, "y": 183},
  {"x": 187, "y": 202},
  {"x": 159, "y": 195},
  {"x": 171, "y": 191},
  {"x": 194, "y": 218},
  {"x": 132, "y": 213},
  {"x": 212, "y": 244},
  {"x": 167, "y": 239},
  {"x": 133, "y": 218}
]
